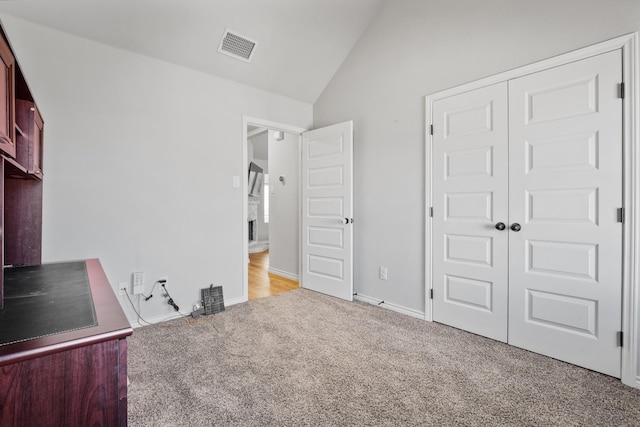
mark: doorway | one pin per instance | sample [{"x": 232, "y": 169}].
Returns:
[
  {"x": 324, "y": 206},
  {"x": 272, "y": 205}
]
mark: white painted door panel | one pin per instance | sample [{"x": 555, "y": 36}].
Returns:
[
  {"x": 565, "y": 179},
  {"x": 470, "y": 196},
  {"x": 327, "y": 210}
]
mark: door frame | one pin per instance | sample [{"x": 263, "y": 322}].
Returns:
[
  {"x": 629, "y": 44},
  {"x": 253, "y": 121}
]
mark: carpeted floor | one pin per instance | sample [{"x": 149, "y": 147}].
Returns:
[{"x": 302, "y": 358}]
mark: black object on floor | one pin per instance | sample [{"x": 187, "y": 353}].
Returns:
[
  {"x": 59, "y": 293},
  {"x": 212, "y": 299}
]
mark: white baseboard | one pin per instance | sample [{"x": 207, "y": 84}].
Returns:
[
  {"x": 284, "y": 274},
  {"x": 390, "y": 306},
  {"x": 171, "y": 316}
]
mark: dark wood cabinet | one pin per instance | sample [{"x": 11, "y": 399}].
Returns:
[
  {"x": 7, "y": 98},
  {"x": 22, "y": 218},
  {"x": 21, "y": 157},
  {"x": 53, "y": 372},
  {"x": 29, "y": 137},
  {"x": 75, "y": 378}
]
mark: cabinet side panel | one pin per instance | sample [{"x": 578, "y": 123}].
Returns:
[
  {"x": 122, "y": 383},
  {"x": 23, "y": 221},
  {"x": 75, "y": 387},
  {"x": 2, "y": 233}
]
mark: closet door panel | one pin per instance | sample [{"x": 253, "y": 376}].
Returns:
[
  {"x": 470, "y": 196},
  {"x": 565, "y": 186}
]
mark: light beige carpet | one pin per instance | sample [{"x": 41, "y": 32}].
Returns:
[{"x": 302, "y": 358}]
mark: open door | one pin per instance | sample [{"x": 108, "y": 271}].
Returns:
[{"x": 327, "y": 210}]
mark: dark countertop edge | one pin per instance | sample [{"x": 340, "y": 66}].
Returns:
[{"x": 112, "y": 324}]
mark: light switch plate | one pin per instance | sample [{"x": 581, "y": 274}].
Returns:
[{"x": 138, "y": 282}]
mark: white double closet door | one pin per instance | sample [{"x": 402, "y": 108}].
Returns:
[{"x": 540, "y": 155}]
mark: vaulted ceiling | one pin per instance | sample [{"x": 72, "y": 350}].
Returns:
[{"x": 301, "y": 43}]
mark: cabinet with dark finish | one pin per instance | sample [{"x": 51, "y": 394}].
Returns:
[
  {"x": 29, "y": 137},
  {"x": 73, "y": 378},
  {"x": 63, "y": 348},
  {"x": 21, "y": 156},
  {"x": 7, "y": 90},
  {"x": 22, "y": 217}
]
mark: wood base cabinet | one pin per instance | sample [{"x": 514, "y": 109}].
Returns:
[{"x": 74, "y": 378}]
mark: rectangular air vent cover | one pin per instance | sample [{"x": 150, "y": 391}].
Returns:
[{"x": 237, "y": 46}]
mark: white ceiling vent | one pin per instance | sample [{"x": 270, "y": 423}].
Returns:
[{"x": 237, "y": 46}]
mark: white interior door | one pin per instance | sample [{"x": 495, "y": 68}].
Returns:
[
  {"x": 565, "y": 182},
  {"x": 327, "y": 210},
  {"x": 470, "y": 186}
]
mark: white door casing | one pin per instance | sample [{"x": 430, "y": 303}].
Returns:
[
  {"x": 327, "y": 210},
  {"x": 470, "y": 184},
  {"x": 565, "y": 186}
]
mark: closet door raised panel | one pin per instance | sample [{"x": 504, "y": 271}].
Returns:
[
  {"x": 565, "y": 183},
  {"x": 470, "y": 196}
]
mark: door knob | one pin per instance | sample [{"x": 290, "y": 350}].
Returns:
[
  {"x": 515, "y": 226},
  {"x": 500, "y": 226},
  {"x": 344, "y": 221}
]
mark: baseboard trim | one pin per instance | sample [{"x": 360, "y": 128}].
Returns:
[
  {"x": 390, "y": 306},
  {"x": 284, "y": 274},
  {"x": 172, "y": 316}
]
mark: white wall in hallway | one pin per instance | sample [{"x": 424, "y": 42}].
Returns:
[{"x": 284, "y": 231}]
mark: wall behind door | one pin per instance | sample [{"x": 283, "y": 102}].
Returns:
[{"x": 284, "y": 226}]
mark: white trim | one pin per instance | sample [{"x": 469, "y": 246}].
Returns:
[
  {"x": 631, "y": 236},
  {"x": 283, "y": 273},
  {"x": 630, "y": 45},
  {"x": 390, "y": 306},
  {"x": 246, "y": 121},
  {"x": 172, "y": 316}
]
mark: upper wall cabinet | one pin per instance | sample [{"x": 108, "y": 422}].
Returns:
[
  {"x": 29, "y": 137},
  {"x": 7, "y": 77}
]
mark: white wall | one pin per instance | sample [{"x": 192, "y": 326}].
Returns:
[
  {"x": 284, "y": 209},
  {"x": 414, "y": 48},
  {"x": 140, "y": 157}
]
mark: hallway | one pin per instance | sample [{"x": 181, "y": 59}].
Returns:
[{"x": 261, "y": 282}]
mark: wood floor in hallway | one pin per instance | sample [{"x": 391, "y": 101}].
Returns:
[{"x": 261, "y": 282}]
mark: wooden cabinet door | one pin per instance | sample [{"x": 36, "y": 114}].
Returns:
[
  {"x": 7, "y": 107},
  {"x": 29, "y": 137},
  {"x": 35, "y": 144}
]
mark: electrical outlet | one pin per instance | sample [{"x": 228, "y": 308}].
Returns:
[
  {"x": 137, "y": 279},
  {"x": 123, "y": 287},
  {"x": 382, "y": 273}
]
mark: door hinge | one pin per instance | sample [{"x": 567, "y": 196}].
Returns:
[
  {"x": 620, "y": 339},
  {"x": 431, "y": 294},
  {"x": 431, "y": 211},
  {"x": 621, "y": 215},
  {"x": 431, "y": 129},
  {"x": 621, "y": 93}
]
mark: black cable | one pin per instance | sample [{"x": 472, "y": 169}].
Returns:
[
  {"x": 136, "y": 311},
  {"x": 171, "y": 303},
  {"x": 147, "y": 298}
]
